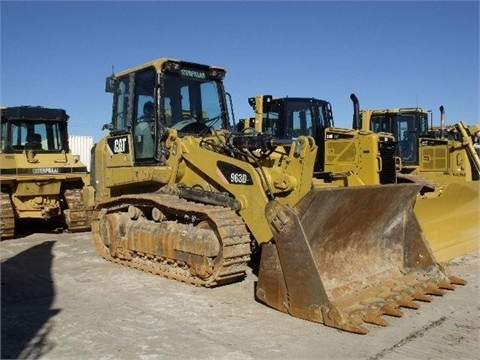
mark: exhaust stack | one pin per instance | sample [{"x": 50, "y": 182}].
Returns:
[
  {"x": 442, "y": 122},
  {"x": 356, "y": 112}
]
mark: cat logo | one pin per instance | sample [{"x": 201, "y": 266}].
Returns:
[{"x": 119, "y": 145}]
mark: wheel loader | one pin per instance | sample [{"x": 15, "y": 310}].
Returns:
[
  {"x": 184, "y": 195},
  {"x": 445, "y": 161},
  {"x": 40, "y": 178}
]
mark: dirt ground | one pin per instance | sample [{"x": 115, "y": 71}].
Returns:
[{"x": 60, "y": 300}]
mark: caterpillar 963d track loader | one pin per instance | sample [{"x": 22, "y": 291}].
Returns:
[
  {"x": 445, "y": 161},
  {"x": 40, "y": 178},
  {"x": 182, "y": 195}
]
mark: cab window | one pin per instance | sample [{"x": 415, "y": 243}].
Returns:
[
  {"x": 300, "y": 119},
  {"x": 38, "y": 136},
  {"x": 120, "y": 105},
  {"x": 144, "y": 114},
  {"x": 190, "y": 103}
]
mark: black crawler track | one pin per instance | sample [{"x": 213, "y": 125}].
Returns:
[
  {"x": 228, "y": 265},
  {"x": 7, "y": 216}
]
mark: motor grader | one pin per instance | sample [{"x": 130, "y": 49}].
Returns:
[
  {"x": 40, "y": 178},
  {"x": 444, "y": 159},
  {"x": 183, "y": 195}
]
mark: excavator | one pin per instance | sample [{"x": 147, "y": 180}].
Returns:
[
  {"x": 184, "y": 195},
  {"x": 445, "y": 160}
]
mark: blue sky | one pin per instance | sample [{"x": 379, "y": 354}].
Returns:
[{"x": 389, "y": 53}]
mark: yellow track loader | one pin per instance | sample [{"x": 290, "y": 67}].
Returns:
[
  {"x": 444, "y": 159},
  {"x": 183, "y": 195},
  {"x": 40, "y": 177}
]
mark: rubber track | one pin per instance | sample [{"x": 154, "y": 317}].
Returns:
[
  {"x": 7, "y": 217},
  {"x": 234, "y": 239}
]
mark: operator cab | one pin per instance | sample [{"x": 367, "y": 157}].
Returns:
[
  {"x": 288, "y": 118},
  {"x": 184, "y": 96},
  {"x": 407, "y": 126},
  {"x": 35, "y": 128}
]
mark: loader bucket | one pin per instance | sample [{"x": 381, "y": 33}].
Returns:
[
  {"x": 451, "y": 221},
  {"x": 345, "y": 256}
]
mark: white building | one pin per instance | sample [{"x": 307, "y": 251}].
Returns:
[{"x": 82, "y": 146}]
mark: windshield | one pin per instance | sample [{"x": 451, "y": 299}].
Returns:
[
  {"x": 297, "y": 117},
  {"x": 398, "y": 124},
  {"x": 405, "y": 128},
  {"x": 382, "y": 123},
  {"x": 28, "y": 135},
  {"x": 191, "y": 103}
]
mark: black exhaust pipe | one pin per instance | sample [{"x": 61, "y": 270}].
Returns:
[
  {"x": 356, "y": 112},
  {"x": 442, "y": 122}
]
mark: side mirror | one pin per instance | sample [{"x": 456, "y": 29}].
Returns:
[
  {"x": 109, "y": 127},
  {"x": 110, "y": 84}
]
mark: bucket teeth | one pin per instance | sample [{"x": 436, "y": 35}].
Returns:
[
  {"x": 446, "y": 285},
  {"x": 375, "y": 319},
  {"x": 433, "y": 289},
  {"x": 388, "y": 300},
  {"x": 406, "y": 301},
  {"x": 420, "y": 295},
  {"x": 347, "y": 320},
  {"x": 369, "y": 314},
  {"x": 391, "y": 308},
  {"x": 355, "y": 328},
  {"x": 415, "y": 291},
  {"x": 457, "y": 280}
]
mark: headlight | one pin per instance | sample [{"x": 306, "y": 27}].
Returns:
[
  {"x": 217, "y": 73},
  {"x": 172, "y": 66}
]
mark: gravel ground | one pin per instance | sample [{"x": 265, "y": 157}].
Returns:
[{"x": 60, "y": 300}]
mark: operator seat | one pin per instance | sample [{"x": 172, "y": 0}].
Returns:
[{"x": 34, "y": 142}]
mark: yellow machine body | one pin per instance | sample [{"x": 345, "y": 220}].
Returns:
[
  {"x": 40, "y": 178},
  {"x": 192, "y": 200},
  {"x": 446, "y": 161}
]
